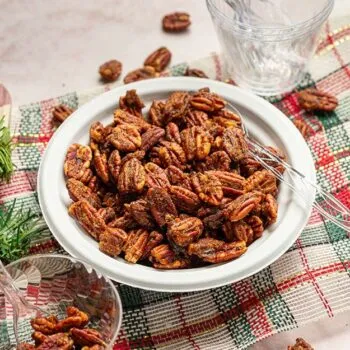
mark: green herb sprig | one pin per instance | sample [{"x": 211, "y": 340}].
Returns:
[
  {"x": 18, "y": 228},
  {"x": 6, "y": 146}
]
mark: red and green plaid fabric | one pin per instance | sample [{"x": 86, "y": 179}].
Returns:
[{"x": 310, "y": 281}]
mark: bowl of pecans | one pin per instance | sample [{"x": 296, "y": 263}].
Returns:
[{"x": 154, "y": 184}]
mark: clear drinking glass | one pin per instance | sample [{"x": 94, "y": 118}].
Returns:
[
  {"x": 267, "y": 44},
  {"x": 54, "y": 282}
]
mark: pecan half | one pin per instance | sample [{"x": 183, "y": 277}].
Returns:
[
  {"x": 207, "y": 101},
  {"x": 112, "y": 241},
  {"x": 131, "y": 103},
  {"x": 61, "y": 112},
  {"x": 263, "y": 181},
  {"x": 123, "y": 117},
  {"x": 196, "y": 118},
  {"x": 208, "y": 188},
  {"x": 25, "y": 346},
  {"x": 176, "y": 106},
  {"x": 172, "y": 133},
  {"x": 151, "y": 137},
  {"x": 176, "y": 22},
  {"x": 300, "y": 344},
  {"x": 215, "y": 251},
  {"x": 312, "y": 99},
  {"x": 114, "y": 164},
  {"x": 156, "y": 113},
  {"x": 184, "y": 199},
  {"x": 163, "y": 257},
  {"x": 256, "y": 224},
  {"x": 195, "y": 142},
  {"x": 153, "y": 240},
  {"x": 248, "y": 166},
  {"x": 238, "y": 231},
  {"x": 44, "y": 325},
  {"x": 227, "y": 119},
  {"x": 107, "y": 214},
  {"x": 269, "y": 209},
  {"x": 125, "y": 138},
  {"x": 97, "y": 132},
  {"x": 125, "y": 222},
  {"x": 234, "y": 144},
  {"x": 100, "y": 163},
  {"x": 193, "y": 72},
  {"x": 218, "y": 160},
  {"x": 139, "y": 155},
  {"x": 143, "y": 73},
  {"x": 158, "y": 59},
  {"x": 214, "y": 220},
  {"x": 110, "y": 70},
  {"x": 178, "y": 178},
  {"x": 232, "y": 184},
  {"x": 38, "y": 337},
  {"x": 170, "y": 153},
  {"x": 75, "y": 318},
  {"x": 87, "y": 336},
  {"x": 132, "y": 177},
  {"x": 60, "y": 341},
  {"x": 140, "y": 212},
  {"x": 155, "y": 176},
  {"x": 78, "y": 191},
  {"x": 304, "y": 129},
  {"x": 185, "y": 231}
]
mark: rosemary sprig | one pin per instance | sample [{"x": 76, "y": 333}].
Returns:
[
  {"x": 6, "y": 165},
  {"x": 18, "y": 228}
]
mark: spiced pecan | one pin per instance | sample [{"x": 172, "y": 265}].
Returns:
[
  {"x": 140, "y": 212},
  {"x": 132, "y": 177},
  {"x": 131, "y": 103},
  {"x": 44, "y": 325},
  {"x": 208, "y": 188},
  {"x": 172, "y": 133},
  {"x": 75, "y": 318},
  {"x": 146, "y": 72},
  {"x": 125, "y": 222},
  {"x": 170, "y": 153},
  {"x": 176, "y": 106},
  {"x": 125, "y": 138},
  {"x": 61, "y": 112},
  {"x": 110, "y": 70},
  {"x": 216, "y": 251},
  {"x": 123, "y": 117},
  {"x": 249, "y": 165},
  {"x": 256, "y": 224},
  {"x": 38, "y": 337},
  {"x": 178, "y": 178},
  {"x": 163, "y": 257},
  {"x": 176, "y": 22},
  {"x": 107, "y": 214},
  {"x": 86, "y": 337},
  {"x": 97, "y": 132},
  {"x": 158, "y": 59},
  {"x": 184, "y": 231},
  {"x": 196, "y": 118},
  {"x": 78, "y": 191},
  {"x": 238, "y": 231},
  {"x": 227, "y": 119},
  {"x": 269, "y": 209},
  {"x": 153, "y": 240},
  {"x": 218, "y": 160},
  {"x": 193, "y": 72},
  {"x": 235, "y": 144},
  {"x": 60, "y": 341},
  {"x": 300, "y": 344},
  {"x": 151, "y": 137},
  {"x": 207, "y": 101},
  {"x": 232, "y": 184},
  {"x": 112, "y": 241},
  {"x": 195, "y": 142},
  {"x": 263, "y": 181},
  {"x": 155, "y": 176},
  {"x": 100, "y": 162},
  {"x": 156, "y": 113},
  {"x": 25, "y": 346},
  {"x": 213, "y": 219},
  {"x": 304, "y": 129},
  {"x": 184, "y": 199},
  {"x": 313, "y": 99},
  {"x": 139, "y": 155},
  {"x": 114, "y": 164}
]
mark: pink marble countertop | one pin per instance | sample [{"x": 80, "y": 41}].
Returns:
[{"x": 48, "y": 48}]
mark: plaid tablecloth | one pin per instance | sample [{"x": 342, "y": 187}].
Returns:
[{"x": 310, "y": 281}]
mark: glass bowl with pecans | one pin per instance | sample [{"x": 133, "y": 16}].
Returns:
[{"x": 161, "y": 190}]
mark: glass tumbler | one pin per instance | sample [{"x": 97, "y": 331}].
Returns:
[
  {"x": 53, "y": 282},
  {"x": 267, "y": 44}
]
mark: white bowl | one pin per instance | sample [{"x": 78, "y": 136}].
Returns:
[{"x": 265, "y": 122}]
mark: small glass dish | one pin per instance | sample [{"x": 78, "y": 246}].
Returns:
[
  {"x": 267, "y": 44},
  {"x": 54, "y": 282}
]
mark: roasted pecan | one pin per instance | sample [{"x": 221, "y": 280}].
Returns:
[
  {"x": 131, "y": 103},
  {"x": 170, "y": 153},
  {"x": 269, "y": 209},
  {"x": 263, "y": 181},
  {"x": 38, "y": 337},
  {"x": 215, "y": 251},
  {"x": 195, "y": 142},
  {"x": 214, "y": 219},
  {"x": 178, "y": 178},
  {"x": 163, "y": 257},
  {"x": 185, "y": 231},
  {"x": 196, "y": 118},
  {"x": 60, "y": 341},
  {"x": 300, "y": 344},
  {"x": 140, "y": 211},
  {"x": 86, "y": 336},
  {"x": 207, "y": 102},
  {"x": 135, "y": 245},
  {"x": 156, "y": 113},
  {"x": 234, "y": 143},
  {"x": 176, "y": 22},
  {"x": 88, "y": 218},
  {"x": 208, "y": 188},
  {"x": 176, "y": 106},
  {"x": 312, "y": 99},
  {"x": 110, "y": 70},
  {"x": 155, "y": 176},
  {"x": 218, "y": 160},
  {"x": 61, "y": 112},
  {"x": 123, "y": 117},
  {"x": 112, "y": 241},
  {"x": 100, "y": 163},
  {"x": 256, "y": 224},
  {"x": 304, "y": 129},
  {"x": 153, "y": 240},
  {"x": 114, "y": 164},
  {"x": 242, "y": 206},
  {"x": 161, "y": 205},
  {"x": 143, "y": 73},
  {"x": 232, "y": 184},
  {"x": 125, "y": 222},
  {"x": 151, "y": 137},
  {"x": 158, "y": 59},
  {"x": 184, "y": 199},
  {"x": 97, "y": 132},
  {"x": 25, "y": 346},
  {"x": 238, "y": 231},
  {"x": 107, "y": 214},
  {"x": 132, "y": 177},
  {"x": 248, "y": 166},
  {"x": 172, "y": 133},
  {"x": 227, "y": 119},
  {"x": 111, "y": 200},
  {"x": 77, "y": 163},
  {"x": 193, "y": 72},
  {"x": 78, "y": 191},
  {"x": 44, "y": 325},
  {"x": 125, "y": 138},
  {"x": 75, "y": 318},
  {"x": 139, "y": 155}
]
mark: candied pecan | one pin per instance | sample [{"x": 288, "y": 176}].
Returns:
[
  {"x": 238, "y": 231},
  {"x": 75, "y": 318},
  {"x": 88, "y": 218},
  {"x": 61, "y": 112},
  {"x": 170, "y": 153},
  {"x": 185, "y": 231},
  {"x": 78, "y": 191},
  {"x": 304, "y": 129},
  {"x": 242, "y": 206},
  {"x": 44, "y": 325},
  {"x": 132, "y": 177},
  {"x": 153, "y": 240},
  {"x": 214, "y": 220},
  {"x": 196, "y": 118},
  {"x": 124, "y": 222},
  {"x": 216, "y": 251},
  {"x": 218, "y": 160},
  {"x": 100, "y": 163},
  {"x": 235, "y": 144},
  {"x": 112, "y": 241},
  {"x": 176, "y": 106},
  {"x": 195, "y": 142},
  {"x": 86, "y": 336},
  {"x": 125, "y": 138},
  {"x": 158, "y": 59},
  {"x": 38, "y": 337},
  {"x": 156, "y": 113},
  {"x": 248, "y": 166},
  {"x": 97, "y": 132},
  {"x": 163, "y": 257},
  {"x": 300, "y": 344},
  {"x": 123, "y": 117},
  {"x": 110, "y": 70},
  {"x": 227, "y": 119},
  {"x": 263, "y": 181},
  {"x": 256, "y": 224},
  {"x": 107, "y": 214},
  {"x": 114, "y": 164},
  {"x": 172, "y": 133},
  {"x": 146, "y": 72},
  {"x": 25, "y": 346},
  {"x": 178, "y": 178},
  {"x": 155, "y": 176},
  {"x": 135, "y": 245},
  {"x": 232, "y": 184},
  {"x": 139, "y": 155},
  {"x": 269, "y": 209},
  {"x": 140, "y": 211},
  {"x": 160, "y": 204},
  {"x": 151, "y": 137},
  {"x": 111, "y": 200},
  {"x": 184, "y": 199},
  {"x": 208, "y": 188},
  {"x": 312, "y": 99},
  {"x": 60, "y": 341},
  {"x": 207, "y": 101},
  {"x": 77, "y": 163},
  {"x": 193, "y": 72},
  {"x": 131, "y": 103},
  {"x": 176, "y": 22}
]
